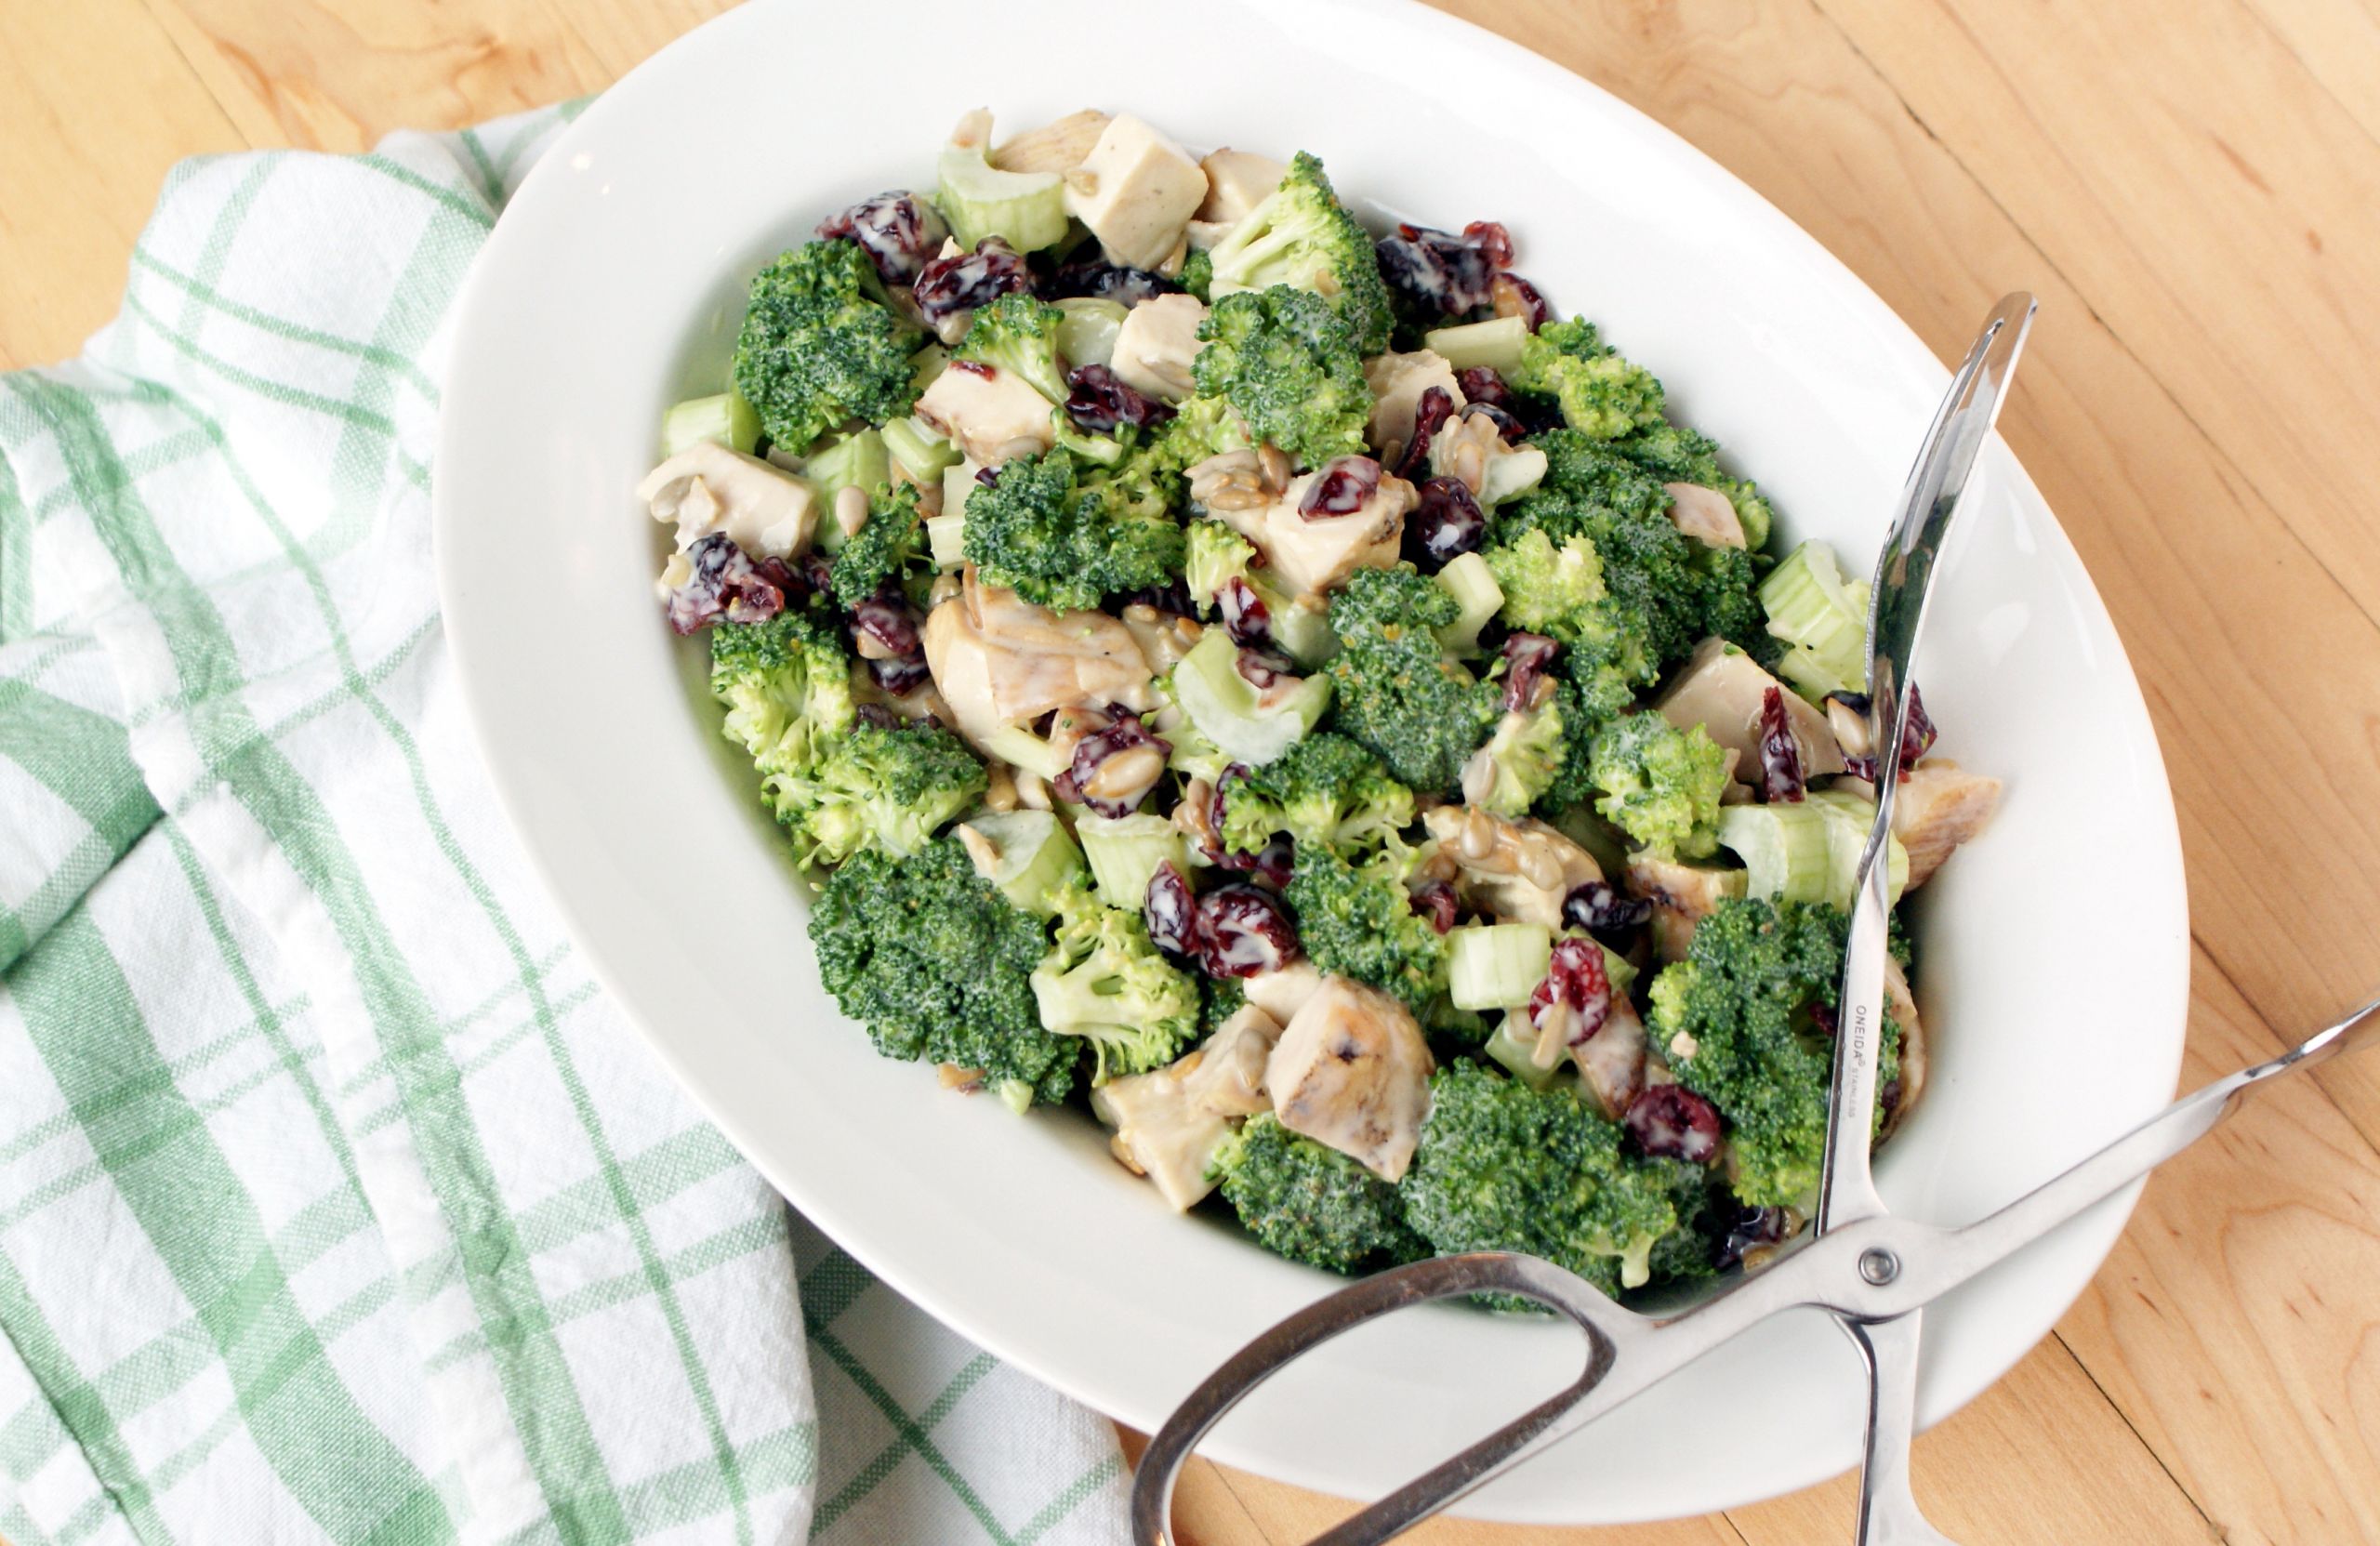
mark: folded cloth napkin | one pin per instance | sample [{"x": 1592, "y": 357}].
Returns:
[{"x": 335, "y": 1201}]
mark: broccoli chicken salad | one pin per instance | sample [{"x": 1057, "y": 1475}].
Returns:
[{"x": 1294, "y": 694}]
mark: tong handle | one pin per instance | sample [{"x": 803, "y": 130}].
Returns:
[{"x": 1443, "y": 1277}]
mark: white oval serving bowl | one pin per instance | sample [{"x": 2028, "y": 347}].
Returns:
[{"x": 613, "y": 288}]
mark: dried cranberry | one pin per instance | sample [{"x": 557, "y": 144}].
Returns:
[
  {"x": 878, "y": 715},
  {"x": 1441, "y": 275},
  {"x": 985, "y": 477},
  {"x": 1436, "y": 903},
  {"x": 1669, "y": 1121},
  {"x": 1528, "y": 656},
  {"x": 1092, "y": 750},
  {"x": 1822, "y": 1016},
  {"x": 1754, "y": 1228},
  {"x": 1261, "y": 667},
  {"x": 1246, "y": 618},
  {"x": 1780, "y": 756},
  {"x": 1103, "y": 281},
  {"x": 886, "y": 618},
  {"x": 1428, "y": 416},
  {"x": 1341, "y": 488},
  {"x": 1576, "y": 986},
  {"x": 1171, "y": 912},
  {"x": 726, "y": 583},
  {"x": 1097, "y": 402},
  {"x": 1173, "y": 596},
  {"x": 1481, "y": 384},
  {"x": 1244, "y": 931},
  {"x": 1271, "y": 863},
  {"x": 1917, "y": 737},
  {"x": 897, "y": 231},
  {"x": 818, "y": 574},
  {"x": 1596, "y": 907},
  {"x": 967, "y": 279},
  {"x": 975, "y": 367},
  {"x": 1447, "y": 523},
  {"x": 1514, "y": 297},
  {"x": 901, "y": 677}
]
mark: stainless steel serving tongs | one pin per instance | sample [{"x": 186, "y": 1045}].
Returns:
[{"x": 1874, "y": 1273}]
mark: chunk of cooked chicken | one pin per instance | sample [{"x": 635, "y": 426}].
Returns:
[
  {"x": 1722, "y": 689},
  {"x": 1939, "y": 806},
  {"x": 1352, "y": 1072},
  {"x": 1228, "y": 1078},
  {"x": 992, "y": 414},
  {"x": 1682, "y": 895},
  {"x": 1155, "y": 344},
  {"x": 998, "y": 660},
  {"x": 1162, "y": 1130},
  {"x": 1284, "y": 990},
  {"x": 1471, "y": 449},
  {"x": 1611, "y": 1061},
  {"x": 1705, "y": 514},
  {"x": 1901, "y": 1005},
  {"x": 1057, "y": 146},
  {"x": 1515, "y": 871},
  {"x": 1136, "y": 189},
  {"x": 1237, "y": 182},
  {"x": 763, "y": 508},
  {"x": 1397, "y": 382},
  {"x": 1311, "y": 553}
]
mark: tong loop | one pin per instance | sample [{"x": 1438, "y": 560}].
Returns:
[{"x": 1442, "y": 1277}]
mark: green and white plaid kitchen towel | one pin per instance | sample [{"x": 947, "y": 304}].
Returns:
[{"x": 336, "y": 1202}]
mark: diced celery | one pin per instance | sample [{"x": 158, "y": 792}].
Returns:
[
  {"x": 922, "y": 452},
  {"x": 1475, "y": 590},
  {"x": 1016, "y": 1094},
  {"x": 1030, "y": 855},
  {"x": 1192, "y": 755},
  {"x": 948, "y": 537},
  {"x": 1226, "y": 705},
  {"x": 1511, "y": 475},
  {"x": 1512, "y": 1045},
  {"x": 1124, "y": 850},
  {"x": 1785, "y": 848},
  {"x": 1016, "y": 744},
  {"x": 1496, "y": 966},
  {"x": 1495, "y": 343},
  {"x": 925, "y": 364},
  {"x": 1025, "y": 209},
  {"x": 1087, "y": 333},
  {"x": 1822, "y": 617},
  {"x": 1849, "y": 819},
  {"x": 726, "y": 417}
]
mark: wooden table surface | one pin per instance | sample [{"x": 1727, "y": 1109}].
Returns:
[{"x": 2193, "y": 186}]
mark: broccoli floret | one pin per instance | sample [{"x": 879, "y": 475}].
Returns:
[
  {"x": 1018, "y": 333},
  {"x": 1062, "y": 539},
  {"x": 1584, "y": 480},
  {"x": 1300, "y": 235},
  {"x": 887, "y": 549},
  {"x": 1310, "y": 1203},
  {"x": 786, "y": 685},
  {"x": 887, "y": 787},
  {"x": 1358, "y": 921},
  {"x": 1660, "y": 784},
  {"x": 1678, "y": 455},
  {"x": 1218, "y": 999},
  {"x": 1394, "y": 687},
  {"x": 820, "y": 344},
  {"x": 1215, "y": 555},
  {"x": 1289, "y": 368},
  {"x": 1705, "y": 1208},
  {"x": 1197, "y": 274},
  {"x": 1526, "y": 756},
  {"x": 1200, "y": 428},
  {"x": 1734, "y": 1018},
  {"x": 1505, "y": 1167},
  {"x": 938, "y": 966},
  {"x": 1602, "y": 393},
  {"x": 1105, "y": 982},
  {"x": 1558, "y": 590},
  {"x": 1325, "y": 791}
]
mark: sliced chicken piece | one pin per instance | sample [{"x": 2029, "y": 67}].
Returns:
[
  {"x": 1228, "y": 1077},
  {"x": 1351, "y": 1071},
  {"x": 1471, "y": 448},
  {"x": 1705, "y": 514},
  {"x": 1611, "y": 1061},
  {"x": 1136, "y": 189},
  {"x": 1901, "y": 1005},
  {"x": 763, "y": 508},
  {"x": 1154, "y": 345},
  {"x": 992, "y": 414},
  {"x": 1162, "y": 1131},
  {"x": 1515, "y": 871},
  {"x": 1682, "y": 895},
  {"x": 1237, "y": 182},
  {"x": 1397, "y": 382},
  {"x": 1939, "y": 806},
  {"x": 1057, "y": 146},
  {"x": 998, "y": 660},
  {"x": 1283, "y": 991},
  {"x": 1310, "y": 553},
  {"x": 1722, "y": 689}
]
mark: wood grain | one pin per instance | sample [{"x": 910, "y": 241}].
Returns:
[{"x": 2194, "y": 188}]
